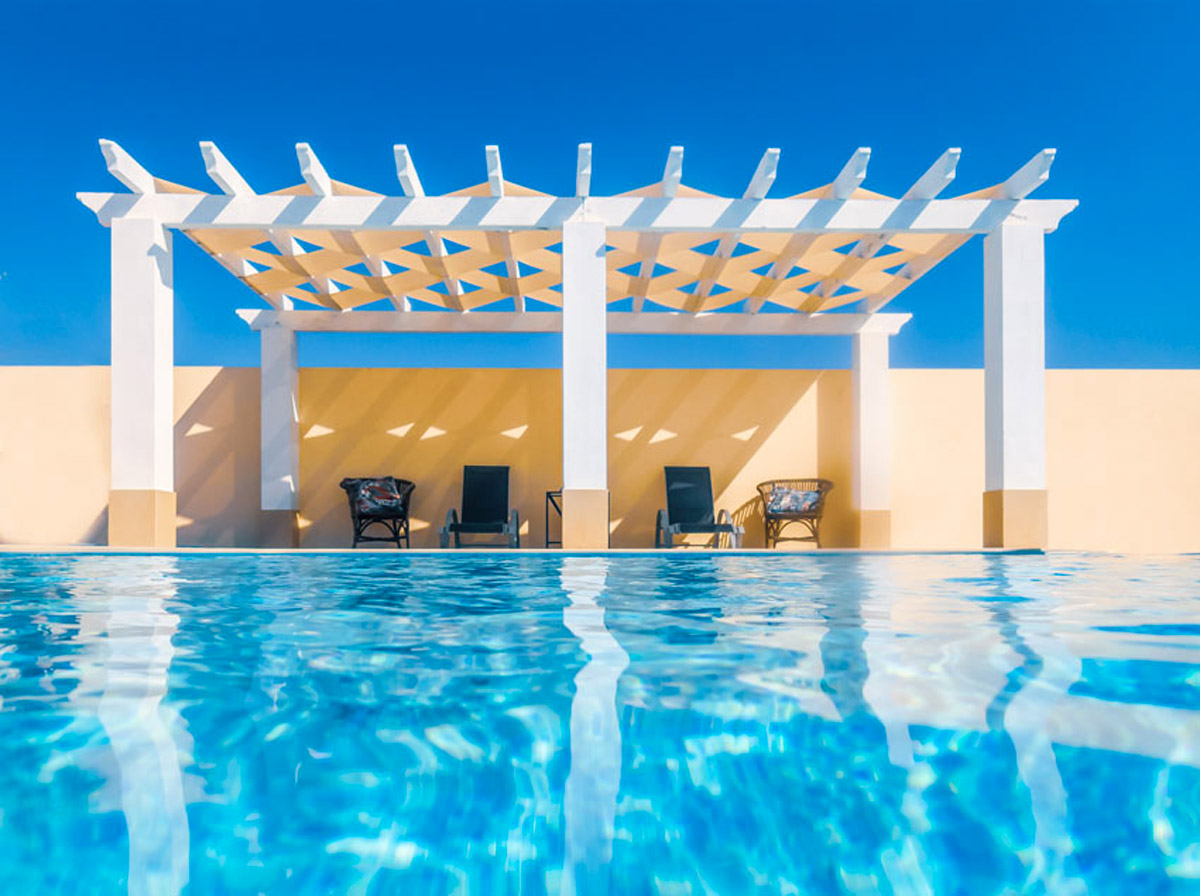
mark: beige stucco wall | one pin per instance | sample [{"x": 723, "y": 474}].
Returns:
[{"x": 1121, "y": 449}]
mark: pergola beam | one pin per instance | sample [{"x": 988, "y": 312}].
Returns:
[
  {"x": 718, "y": 324},
  {"x": 313, "y": 171},
  {"x": 939, "y": 176},
  {"x": 760, "y": 183},
  {"x": 410, "y": 183},
  {"x": 583, "y": 171},
  {"x": 650, "y": 244},
  {"x": 1029, "y": 177},
  {"x": 501, "y": 242},
  {"x": 631, "y": 213},
  {"x": 222, "y": 171},
  {"x": 853, "y": 173},
  {"x": 126, "y": 169}
]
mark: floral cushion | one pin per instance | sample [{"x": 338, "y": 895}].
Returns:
[
  {"x": 791, "y": 500},
  {"x": 379, "y": 497}
]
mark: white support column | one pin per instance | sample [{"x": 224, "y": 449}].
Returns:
[
  {"x": 1014, "y": 500},
  {"x": 871, "y": 481},
  {"x": 280, "y": 446},
  {"x": 585, "y": 386},
  {"x": 141, "y": 510}
]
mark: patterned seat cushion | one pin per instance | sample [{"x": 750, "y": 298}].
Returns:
[
  {"x": 791, "y": 500},
  {"x": 380, "y": 497}
]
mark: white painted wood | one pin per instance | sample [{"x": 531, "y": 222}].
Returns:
[
  {"x": 852, "y": 175},
  {"x": 143, "y": 356},
  {"x": 585, "y": 356},
  {"x": 840, "y": 324},
  {"x": 672, "y": 172},
  {"x": 583, "y": 171},
  {"x": 125, "y": 168},
  {"x": 1014, "y": 358},
  {"x": 406, "y": 172},
  {"x": 760, "y": 183},
  {"x": 870, "y": 483},
  {"x": 279, "y": 396},
  {"x": 313, "y": 171},
  {"x": 495, "y": 172},
  {"x": 410, "y": 183},
  {"x": 939, "y": 176},
  {"x": 642, "y": 214},
  {"x": 1032, "y": 175},
  {"x": 222, "y": 172},
  {"x": 764, "y": 175},
  {"x": 650, "y": 244}
]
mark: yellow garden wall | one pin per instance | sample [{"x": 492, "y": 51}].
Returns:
[{"x": 1121, "y": 446}]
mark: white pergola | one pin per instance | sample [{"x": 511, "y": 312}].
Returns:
[{"x": 499, "y": 257}]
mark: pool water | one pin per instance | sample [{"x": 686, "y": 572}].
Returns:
[{"x": 696, "y": 723}]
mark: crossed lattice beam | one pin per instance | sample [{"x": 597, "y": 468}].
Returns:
[{"x": 496, "y": 245}]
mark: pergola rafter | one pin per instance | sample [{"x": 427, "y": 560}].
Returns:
[
  {"x": 501, "y": 257},
  {"x": 675, "y": 246}
]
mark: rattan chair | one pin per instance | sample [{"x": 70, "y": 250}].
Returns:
[
  {"x": 379, "y": 501},
  {"x": 810, "y": 519}
]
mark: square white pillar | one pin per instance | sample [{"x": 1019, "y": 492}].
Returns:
[
  {"x": 871, "y": 481},
  {"x": 279, "y": 383},
  {"x": 280, "y": 387},
  {"x": 1015, "y": 387},
  {"x": 585, "y": 386},
  {"x": 142, "y": 497}
]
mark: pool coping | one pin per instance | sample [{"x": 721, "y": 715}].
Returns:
[{"x": 505, "y": 552}]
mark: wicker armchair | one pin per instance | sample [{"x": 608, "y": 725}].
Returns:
[
  {"x": 379, "y": 501},
  {"x": 810, "y": 518}
]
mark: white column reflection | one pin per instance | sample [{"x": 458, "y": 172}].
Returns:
[
  {"x": 139, "y": 629},
  {"x": 1026, "y": 717},
  {"x": 590, "y": 804}
]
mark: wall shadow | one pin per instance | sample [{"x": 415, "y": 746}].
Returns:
[
  {"x": 747, "y": 426},
  {"x": 424, "y": 425},
  {"x": 217, "y": 460},
  {"x": 834, "y": 436}
]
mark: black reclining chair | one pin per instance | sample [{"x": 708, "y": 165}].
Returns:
[
  {"x": 484, "y": 508},
  {"x": 379, "y": 501},
  {"x": 690, "y": 509}
]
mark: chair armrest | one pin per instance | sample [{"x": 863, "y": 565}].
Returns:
[
  {"x": 663, "y": 536},
  {"x": 724, "y": 518},
  {"x": 451, "y": 526},
  {"x": 514, "y": 529}
]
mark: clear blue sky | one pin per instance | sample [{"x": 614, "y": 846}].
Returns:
[{"x": 1114, "y": 86}]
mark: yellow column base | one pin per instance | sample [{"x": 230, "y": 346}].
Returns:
[
  {"x": 875, "y": 529},
  {"x": 1015, "y": 518},
  {"x": 279, "y": 529},
  {"x": 585, "y": 519},
  {"x": 141, "y": 518}
]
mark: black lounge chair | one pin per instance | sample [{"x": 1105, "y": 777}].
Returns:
[
  {"x": 484, "y": 508},
  {"x": 379, "y": 501},
  {"x": 690, "y": 509}
]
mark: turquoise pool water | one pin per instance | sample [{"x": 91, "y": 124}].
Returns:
[{"x": 698, "y": 723}]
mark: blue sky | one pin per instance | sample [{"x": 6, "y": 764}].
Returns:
[{"x": 1115, "y": 87}]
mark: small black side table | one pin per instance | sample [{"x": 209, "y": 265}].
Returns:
[{"x": 552, "y": 499}]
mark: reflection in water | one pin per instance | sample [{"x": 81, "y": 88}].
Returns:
[
  {"x": 137, "y": 631},
  {"x": 392, "y": 723},
  {"x": 1023, "y": 707},
  {"x": 590, "y": 800}
]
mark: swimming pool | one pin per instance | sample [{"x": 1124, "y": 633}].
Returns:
[{"x": 697, "y": 723}]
